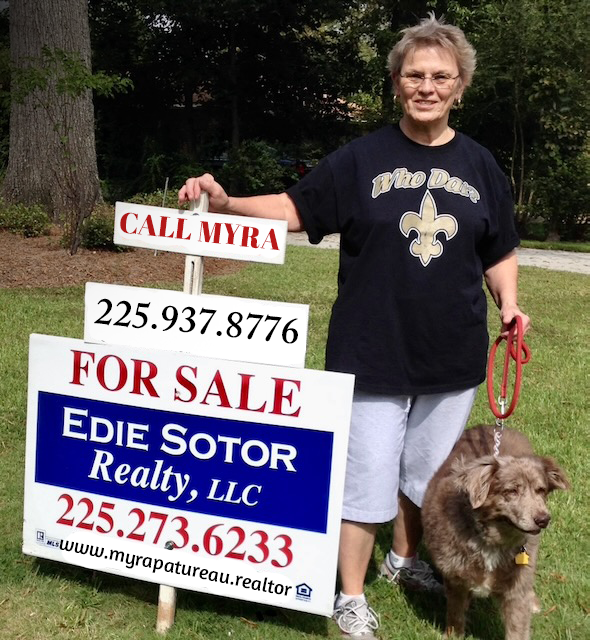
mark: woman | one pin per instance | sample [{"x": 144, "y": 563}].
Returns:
[{"x": 423, "y": 212}]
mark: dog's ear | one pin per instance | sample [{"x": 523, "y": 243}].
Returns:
[
  {"x": 555, "y": 475},
  {"x": 475, "y": 478}
]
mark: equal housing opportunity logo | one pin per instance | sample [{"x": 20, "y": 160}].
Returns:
[{"x": 303, "y": 592}]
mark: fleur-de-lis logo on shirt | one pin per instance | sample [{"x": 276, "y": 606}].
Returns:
[{"x": 427, "y": 225}]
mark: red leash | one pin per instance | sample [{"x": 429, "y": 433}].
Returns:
[{"x": 518, "y": 352}]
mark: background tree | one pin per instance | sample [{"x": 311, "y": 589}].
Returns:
[
  {"x": 530, "y": 103},
  {"x": 248, "y": 88},
  {"x": 4, "y": 84},
  {"x": 211, "y": 74},
  {"x": 52, "y": 156}
]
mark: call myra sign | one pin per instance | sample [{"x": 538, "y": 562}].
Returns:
[{"x": 201, "y": 234}]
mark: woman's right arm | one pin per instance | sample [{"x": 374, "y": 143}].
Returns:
[{"x": 277, "y": 206}]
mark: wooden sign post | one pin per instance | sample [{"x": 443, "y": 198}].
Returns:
[
  {"x": 166, "y": 609},
  {"x": 194, "y": 268}
]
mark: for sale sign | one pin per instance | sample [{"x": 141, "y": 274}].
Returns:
[
  {"x": 204, "y": 234},
  {"x": 210, "y": 475}
]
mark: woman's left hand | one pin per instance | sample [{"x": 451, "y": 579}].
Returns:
[{"x": 507, "y": 316}]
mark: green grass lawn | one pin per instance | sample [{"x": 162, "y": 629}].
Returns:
[
  {"x": 579, "y": 247},
  {"x": 41, "y": 599}
]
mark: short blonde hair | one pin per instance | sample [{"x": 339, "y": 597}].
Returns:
[{"x": 430, "y": 32}]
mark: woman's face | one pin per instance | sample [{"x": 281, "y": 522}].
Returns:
[{"x": 428, "y": 105}]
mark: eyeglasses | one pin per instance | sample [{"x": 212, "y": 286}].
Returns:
[{"x": 439, "y": 80}]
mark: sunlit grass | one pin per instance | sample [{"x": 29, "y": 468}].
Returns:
[
  {"x": 40, "y": 600},
  {"x": 580, "y": 247}
]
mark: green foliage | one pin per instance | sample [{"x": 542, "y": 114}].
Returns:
[
  {"x": 314, "y": 73},
  {"x": 530, "y": 102},
  {"x": 253, "y": 168},
  {"x": 565, "y": 196},
  {"x": 68, "y": 72},
  {"x": 30, "y": 221},
  {"x": 159, "y": 167},
  {"x": 227, "y": 72},
  {"x": 534, "y": 228},
  {"x": 155, "y": 199},
  {"x": 182, "y": 169},
  {"x": 98, "y": 229}
]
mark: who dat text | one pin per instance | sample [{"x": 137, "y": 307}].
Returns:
[{"x": 174, "y": 441}]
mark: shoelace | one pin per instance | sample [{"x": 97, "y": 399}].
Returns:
[{"x": 356, "y": 618}]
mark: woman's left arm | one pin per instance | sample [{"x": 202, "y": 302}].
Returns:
[{"x": 502, "y": 282}]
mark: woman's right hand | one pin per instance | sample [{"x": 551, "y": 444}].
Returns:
[{"x": 218, "y": 198}]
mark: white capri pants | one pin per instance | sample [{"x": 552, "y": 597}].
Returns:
[{"x": 398, "y": 443}]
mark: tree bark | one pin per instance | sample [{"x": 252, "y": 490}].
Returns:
[
  {"x": 233, "y": 83},
  {"x": 52, "y": 154}
]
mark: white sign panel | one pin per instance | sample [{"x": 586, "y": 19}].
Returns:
[
  {"x": 238, "y": 467},
  {"x": 206, "y": 325},
  {"x": 204, "y": 234}
]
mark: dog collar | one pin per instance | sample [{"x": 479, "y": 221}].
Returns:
[{"x": 522, "y": 557}]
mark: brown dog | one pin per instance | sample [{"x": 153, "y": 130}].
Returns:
[{"x": 482, "y": 519}]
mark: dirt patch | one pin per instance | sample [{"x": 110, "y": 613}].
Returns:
[{"x": 42, "y": 262}]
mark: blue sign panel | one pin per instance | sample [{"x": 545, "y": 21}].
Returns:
[{"x": 262, "y": 473}]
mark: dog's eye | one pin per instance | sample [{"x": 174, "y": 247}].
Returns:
[
  {"x": 510, "y": 493},
  {"x": 541, "y": 491}
]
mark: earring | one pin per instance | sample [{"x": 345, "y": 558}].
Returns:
[{"x": 395, "y": 98}]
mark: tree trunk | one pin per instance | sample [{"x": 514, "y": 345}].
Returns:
[
  {"x": 52, "y": 155},
  {"x": 233, "y": 84}
]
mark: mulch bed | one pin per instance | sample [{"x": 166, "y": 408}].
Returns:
[{"x": 43, "y": 262}]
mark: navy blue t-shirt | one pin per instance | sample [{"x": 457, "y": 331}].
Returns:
[{"x": 419, "y": 225}]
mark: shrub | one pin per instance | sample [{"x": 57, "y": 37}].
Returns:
[
  {"x": 536, "y": 230},
  {"x": 98, "y": 230},
  {"x": 30, "y": 221},
  {"x": 182, "y": 171},
  {"x": 156, "y": 198},
  {"x": 254, "y": 168},
  {"x": 153, "y": 198},
  {"x": 566, "y": 197}
]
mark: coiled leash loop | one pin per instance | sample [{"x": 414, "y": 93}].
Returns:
[{"x": 517, "y": 350}]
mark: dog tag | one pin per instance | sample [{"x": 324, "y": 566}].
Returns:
[{"x": 522, "y": 558}]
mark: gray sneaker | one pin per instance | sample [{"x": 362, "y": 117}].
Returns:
[
  {"x": 420, "y": 577},
  {"x": 356, "y": 620}
]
